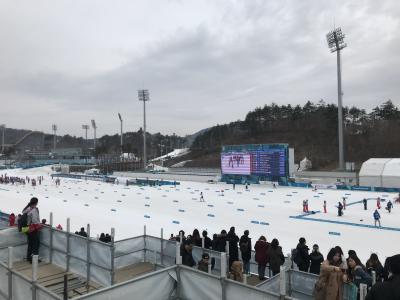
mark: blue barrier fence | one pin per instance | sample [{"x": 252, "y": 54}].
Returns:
[
  {"x": 345, "y": 187},
  {"x": 152, "y": 182}
]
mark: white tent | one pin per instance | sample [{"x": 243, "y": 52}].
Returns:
[
  {"x": 380, "y": 172},
  {"x": 391, "y": 173}
]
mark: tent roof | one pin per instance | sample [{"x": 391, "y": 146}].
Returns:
[{"x": 373, "y": 167}]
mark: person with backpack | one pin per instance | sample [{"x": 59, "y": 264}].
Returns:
[
  {"x": 377, "y": 217},
  {"x": 30, "y": 219},
  {"x": 245, "y": 249},
  {"x": 302, "y": 258}
]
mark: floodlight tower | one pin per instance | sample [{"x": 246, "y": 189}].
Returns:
[
  {"x": 3, "y": 127},
  {"x": 144, "y": 96},
  {"x": 336, "y": 43},
  {"x": 54, "y": 128},
  {"x": 94, "y": 133},
  {"x": 122, "y": 134}
]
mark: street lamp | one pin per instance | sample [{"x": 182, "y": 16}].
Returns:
[
  {"x": 54, "y": 128},
  {"x": 336, "y": 43},
  {"x": 3, "y": 127},
  {"x": 94, "y": 133},
  {"x": 122, "y": 141},
  {"x": 144, "y": 96}
]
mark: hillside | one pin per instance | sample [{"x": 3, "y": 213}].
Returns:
[{"x": 311, "y": 130}]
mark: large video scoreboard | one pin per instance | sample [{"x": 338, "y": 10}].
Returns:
[{"x": 269, "y": 160}]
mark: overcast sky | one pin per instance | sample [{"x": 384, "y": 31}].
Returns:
[{"x": 205, "y": 62}]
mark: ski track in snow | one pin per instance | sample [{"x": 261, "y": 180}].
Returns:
[{"x": 262, "y": 210}]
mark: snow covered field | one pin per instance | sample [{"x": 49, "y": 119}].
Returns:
[{"x": 275, "y": 213}]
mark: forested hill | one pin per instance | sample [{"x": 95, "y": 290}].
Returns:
[{"x": 311, "y": 130}]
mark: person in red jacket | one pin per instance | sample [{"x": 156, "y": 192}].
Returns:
[
  {"x": 261, "y": 257},
  {"x": 11, "y": 220}
]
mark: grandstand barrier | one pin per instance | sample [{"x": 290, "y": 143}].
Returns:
[{"x": 300, "y": 285}]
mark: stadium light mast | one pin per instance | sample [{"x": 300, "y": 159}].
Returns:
[
  {"x": 336, "y": 43},
  {"x": 54, "y": 128},
  {"x": 122, "y": 134},
  {"x": 94, "y": 133},
  {"x": 3, "y": 127},
  {"x": 144, "y": 96}
]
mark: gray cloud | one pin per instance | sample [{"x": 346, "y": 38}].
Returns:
[{"x": 204, "y": 63}]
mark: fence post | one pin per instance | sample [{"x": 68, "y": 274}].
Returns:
[
  {"x": 112, "y": 256},
  {"x": 144, "y": 243},
  {"x": 227, "y": 256},
  {"x": 68, "y": 243},
  {"x": 202, "y": 242},
  {"x": 209, "y": 267},
  {"x": 363, "y": 291},
  {"x": 65, "y": 293},
  {"x": 373, "y": 277},
  {"x": 181, "y": 237},
  {"x": 88, "y": 256},
  {"x": 178, "y": 278},
  {"x": 223, "y": 288},
  {"x": 34, "y": 275},
  {"x": 10, "y": 266},
  {"x": 162, "y": 246},
  {"x": 51, "y": 238},
  {"x": 282, "y": 283},
  {"x": 223, "y": 264},
  {"x": 178, "y": 259}
]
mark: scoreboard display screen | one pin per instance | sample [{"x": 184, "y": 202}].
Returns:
[
  {"x": 268, "y": 162},
  {"x": 261, "y": 160},
  {"x": 236, "y": 163}
]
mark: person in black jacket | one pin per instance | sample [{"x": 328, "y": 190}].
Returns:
[
  {"x": 275, "y": 256},
  {"x": 302, "y": 257},
  {"x": 388, "y": 290},
  {"x": 316, "y": 259},
  {"x": 233, "y": 246},
  {"x": 214, "y": 242},
  {"x": 245, "y": 249},
  {"x": 207, "y": 240},
  {"x": 186, "y": 253},
  {"x": 221, "y": 241}
]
